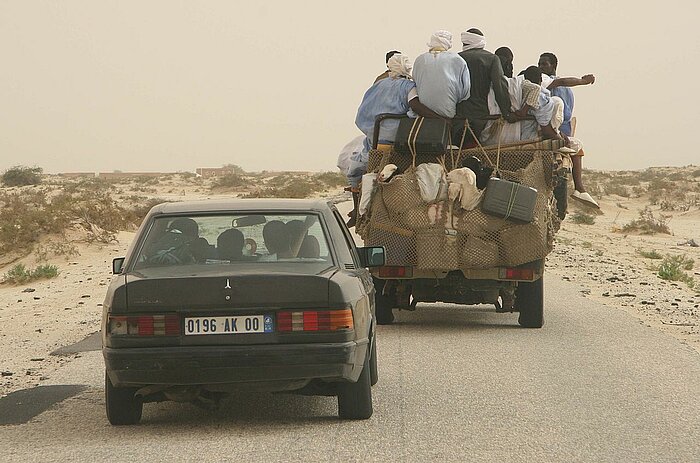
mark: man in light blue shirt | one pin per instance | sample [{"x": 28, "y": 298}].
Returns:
[{"x": 442, "y": 78}]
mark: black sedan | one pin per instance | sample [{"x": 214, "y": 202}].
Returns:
[{"x": 222, "y": 296}]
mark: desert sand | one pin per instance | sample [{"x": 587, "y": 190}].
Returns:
[{"x": 44, "y": 315}]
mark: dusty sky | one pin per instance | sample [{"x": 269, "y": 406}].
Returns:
[{"x": 173, "y": 85}]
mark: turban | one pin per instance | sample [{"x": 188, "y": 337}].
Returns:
[
  {"x": 441, "y": 40},
  {"x": 399, "y": 66},
  {"x": 471, "y": 41}
]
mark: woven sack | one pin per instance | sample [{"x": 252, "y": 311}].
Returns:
[
  {"x": 415, "y": 218},
  {"x": 521, "y": 244},
  {"x": 479, "y": 253},
  {"x": 399, "y": 243},
  {"x": 401, "y": 193},
  {"x": 437, "y": 250}
]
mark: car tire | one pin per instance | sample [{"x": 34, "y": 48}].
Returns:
[
  {"x": 529, "y": 301},
  {"x": 373, "y": 367},
  {"x": 355, "y": 399},
  {"x": 123, "y": 406}
]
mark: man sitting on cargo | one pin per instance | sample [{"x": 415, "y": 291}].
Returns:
[
  {"x": 552, "y": 109},
  {"x": 486, "y": 75},
  {"x": 442, "y": 78},
  {"x": 394, "y": 95},
  {"x": 560, "y": 87}
]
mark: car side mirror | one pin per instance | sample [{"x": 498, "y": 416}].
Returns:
[
  {"x": 372, "y": 256},
  {"x": 118, "y": 265}
]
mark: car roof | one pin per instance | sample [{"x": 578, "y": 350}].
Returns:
[{"x": 237, "y": 204}]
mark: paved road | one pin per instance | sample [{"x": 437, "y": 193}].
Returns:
[{"x": 456, "y": 384}]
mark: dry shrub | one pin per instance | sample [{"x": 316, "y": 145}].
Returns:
[
  {"x": 21, "y": 274},
  {"x": 648, "y": 224},
  {"x": 22, "y": 176}
]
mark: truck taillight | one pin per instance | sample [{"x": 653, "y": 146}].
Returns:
[
  {"x": 144, "y": 325},
  {"x": 389, "y": 271},
  {"x": 315, "y": 320},
  {"x": 526, "y": 274}
]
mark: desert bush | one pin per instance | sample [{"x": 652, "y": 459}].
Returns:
[
  {"x": 615, "y": 188},
  {"x": 293, "y": 190},
  {"x": 231, "y": 181},
  {"x": 56, "y": 248},
  {"x": 672, "y": 268},
  {"x": 647, "y": 224},
  {"x": 653, "y": 254},
  {"x": 21, "y": 274},
  {"x": 21, "y": 176},
  {"x": 332, "y": 179},
  {"x": 582, "y": 218}
]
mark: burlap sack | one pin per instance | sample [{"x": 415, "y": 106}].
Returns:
[
  {"x": 401, "y": 193},
  {"x": 415, "y": 218},
  {"x": 523, "y": 243},
  {"x": 436, "y": 250},
  {"x": 479, "y": 253},
  {"x": 399, "y": 243}
]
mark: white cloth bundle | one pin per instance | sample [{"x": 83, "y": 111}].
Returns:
[
  {"x": 353, "y": 147},
  {"x": 462, "y": 187},
  {"x": 432, "y": 182},
  {"x": 369, "y": 184}
]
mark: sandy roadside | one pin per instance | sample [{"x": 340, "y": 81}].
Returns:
[{"x": 605, "y": 264}]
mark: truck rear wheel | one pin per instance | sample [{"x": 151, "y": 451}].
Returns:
[
  {"x": 384, "y": 303},
  {"x": 529, "y": 301}
]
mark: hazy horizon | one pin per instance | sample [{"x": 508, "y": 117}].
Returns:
[{"x": 171, "y": 86}]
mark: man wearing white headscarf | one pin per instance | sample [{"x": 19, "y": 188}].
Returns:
[
  {"x": 442, "y": 77},
  {"x": 486, "y": 73},
  {"x": 394, "y": 95}
]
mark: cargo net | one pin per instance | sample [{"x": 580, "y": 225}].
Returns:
[{"x": 442, "y": 236}]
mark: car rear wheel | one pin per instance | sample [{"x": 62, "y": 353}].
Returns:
[
  {"x": 529, "y": 301},
  {"x": 123, "y": 406},
  {"x": 355, "y": 399},
  {"x": 373, "y": 367}
]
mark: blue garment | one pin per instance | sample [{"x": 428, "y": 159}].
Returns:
[
  {"x": 567, "y": 96},
  {"x": 442, "y": 80},
  {"x": 385, "y": 96}
]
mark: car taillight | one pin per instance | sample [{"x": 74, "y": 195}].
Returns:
[
  {"x": 144, "y": 325},
  {"x": 517, "y": 274},
  {"x": 388, "y": 271},
  {"x": 315, "y": 320}
]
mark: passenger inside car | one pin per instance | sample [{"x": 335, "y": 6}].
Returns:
[
  {"x": 229, "y": 245},
  {"x": 277, "y": 240}
]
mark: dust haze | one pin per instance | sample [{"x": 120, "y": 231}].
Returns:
[{"x": 165, "y": 86}]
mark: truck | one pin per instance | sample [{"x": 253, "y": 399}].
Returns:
[{"x": 438, "y": 252}]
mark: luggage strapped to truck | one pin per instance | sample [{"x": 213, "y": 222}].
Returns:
[{"x": 442, "y": 236}]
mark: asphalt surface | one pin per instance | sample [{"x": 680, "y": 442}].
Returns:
[{"x": 456, "y": 384}]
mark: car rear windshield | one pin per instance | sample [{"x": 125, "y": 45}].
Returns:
[{"x": 225, "y": 239}]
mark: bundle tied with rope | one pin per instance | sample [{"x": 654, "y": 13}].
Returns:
[{"x": 508, "y": 229}]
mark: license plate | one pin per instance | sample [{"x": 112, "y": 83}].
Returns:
[{"x": 240, "y": 324}]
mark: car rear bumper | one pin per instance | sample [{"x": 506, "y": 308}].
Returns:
[{"x": 199, "y": 365}]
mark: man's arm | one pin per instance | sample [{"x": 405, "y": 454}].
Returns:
[
  {"x": 500, "y": 88},
  {"x": 421, "y": 109},
  {"x": 572, "y": 81}
]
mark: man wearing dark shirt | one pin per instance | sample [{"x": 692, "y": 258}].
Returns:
[{"x": 486, "y": 72}]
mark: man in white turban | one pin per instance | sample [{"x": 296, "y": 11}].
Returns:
[
  {"x": 394, "y": 95},
  {"x": 486, "y": 72},
  {"x": 442, "y": 77}
]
